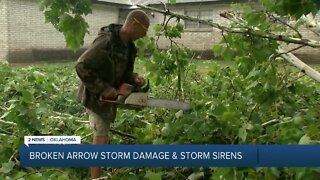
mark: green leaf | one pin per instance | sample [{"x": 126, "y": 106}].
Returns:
[
  {"x": 37, "y": 176},
  {"x": 153, "y": 176},
  {"x": 229, "y": 116},
  {"x": 254, "y": 72},
  {"x": 248, "y": 126},
  {"x": 298, "y": 119},
  {"x": 180, "y": 27},
  {"x": 52, "y": 16},
  {"x": 295, "y": 8},
  {"x": 7, "y": 167},
  {"x": 227, "y": 54},
  {"x": 158, "y": 29},
  {"x": 26, "y": 96},
  {"x": 217, "y": 50},
  {"x": 305, "y": 139},
  {"x": 275, "y": 172},
  {"x": 252, "y": 85},
  {"x": 179, "y": 114},
  {"x": 242, "y": 134},
  {"x": 20, "y": 174},
  {"x": 254, "y": 19}
]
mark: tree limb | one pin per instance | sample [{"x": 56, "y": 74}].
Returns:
[
  {"x": 285, "y": 23},
  {"x": 8, "y": 123},
  {"x": 84, "y": 137},
  {"x": 270, "y": 123},
  {"x": 290, "y": 51},
  {"x": 104, "y": 177},
  {"x": 288, "y": 56},
  {"x": 123, "y": 134},
  {"x": 6, "y": 132},
  {"x": 257, "y": 33},
  {"x": 301, "y": 65}
]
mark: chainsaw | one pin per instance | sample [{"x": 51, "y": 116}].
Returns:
[{"x": 132, "y": 97}]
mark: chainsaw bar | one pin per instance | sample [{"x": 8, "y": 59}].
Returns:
[
  {"x": 163, "y": 103},
  {"x": 141, "y": 100}
]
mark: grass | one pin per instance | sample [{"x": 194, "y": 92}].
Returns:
[
  {"x": 315, "y": 66},
  {"x": 203, "y": 66}
]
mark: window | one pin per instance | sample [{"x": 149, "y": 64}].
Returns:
[{"x": 201, "y": 14}]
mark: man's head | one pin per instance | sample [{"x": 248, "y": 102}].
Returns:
[{"x": 136, "y": 24}]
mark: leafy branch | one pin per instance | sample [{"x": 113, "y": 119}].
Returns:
[
  {"x": 287, "y": 55},
  {"x": 67, "y": 17},
  {"x": 301, "y": 65},
  {"x": 284, "y": 23},
  {"x": 249, "y": 31},
  {"x": 46, "y": 170}
]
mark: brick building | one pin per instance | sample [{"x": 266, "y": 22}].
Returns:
[{"x": 26, "y": 37}]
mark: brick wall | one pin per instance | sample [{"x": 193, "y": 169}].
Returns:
[
  {"x": 102, "y": 15},
  {"x": 30, "y": 38},
  {"x": 3, "y": 30}
]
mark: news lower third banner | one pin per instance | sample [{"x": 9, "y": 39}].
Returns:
[{"x": 82, "y": 155}]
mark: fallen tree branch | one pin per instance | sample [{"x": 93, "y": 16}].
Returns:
[
  {"x": 84, "y": 137},
  {"x": 123, "y": 134},
  {"x": 301, "y": 65},
  {"x": 7, "y": 132},
  {"x": 270, "y": 123},
  {"x": 287, "y": 52},
  {"x": 276, "y": 122},
  {"x": 8, "y": 123},
  {"x": 285, "y": 23},
  {"x": 105, "y": 177},
  {"x": 257, "y": 33},
  {"x": 287, "y": 55}
]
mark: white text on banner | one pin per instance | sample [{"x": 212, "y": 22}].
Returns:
[{"x": 52, "y": 140}]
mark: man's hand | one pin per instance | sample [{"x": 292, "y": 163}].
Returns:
[
  {"x": 109, "y": 94},
  {"x": 139, "y": 80},
  {"x": 125, "y": 89}
]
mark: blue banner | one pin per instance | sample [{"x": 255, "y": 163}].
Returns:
[{"x": 170, "y": 155}]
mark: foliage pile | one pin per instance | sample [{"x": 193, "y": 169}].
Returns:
[{"x": 228, "y": 109}]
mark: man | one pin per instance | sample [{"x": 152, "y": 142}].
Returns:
[{"x": 103, "y": 67}]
